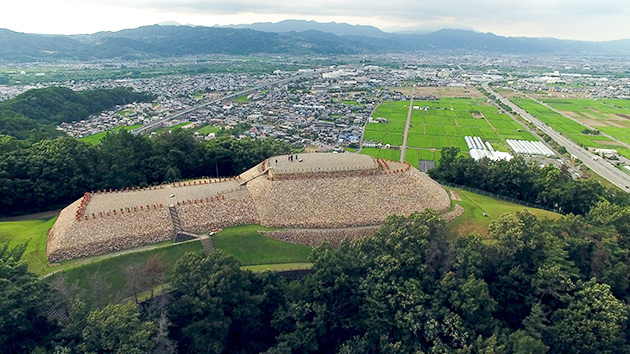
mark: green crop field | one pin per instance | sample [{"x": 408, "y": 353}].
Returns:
[
  {"x": 95, "y": 139},
  {"x": 602, "y": 115},
  {"x": 440, "y": 124},
  {"x": 386, "y": 154}
]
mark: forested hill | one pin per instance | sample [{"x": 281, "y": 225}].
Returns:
[
  {"x": 296, "y": 39},
  {"x": 34, "y": 113}
]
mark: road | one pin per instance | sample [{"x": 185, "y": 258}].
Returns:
[
  {"x": 403, "y": 149},
  {"x": 590, "y": 160},
  {"x": 365, "y": 126},
  {"x": 158, "y": 123},
  {"x": 573, "y": 119}
]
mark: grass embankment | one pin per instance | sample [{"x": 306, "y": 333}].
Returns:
[
  {"x": 250, "y": 247},
  {"x": 31, "y": 231},
  {"x": 255, "y": 252},
  {"x": 473, "y": 220},
  {"x": 95, "y": 139},
  {"x": 108, "y": 276}
]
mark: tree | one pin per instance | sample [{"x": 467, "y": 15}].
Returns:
[
  {"x": 220, "y": 308},
  {"x": 23, "y": 302},
  {"x": 117, "y": 329},
  {"x": 593, "y": 322}
]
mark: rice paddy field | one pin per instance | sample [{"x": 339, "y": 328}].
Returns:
[
  {"x": 611, "y": 116},
  {"x": 439, "y": 124}
]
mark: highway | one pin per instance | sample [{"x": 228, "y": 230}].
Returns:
[
  {"x": 158, "y": 123},
  {"x": 590, "y": 160}
]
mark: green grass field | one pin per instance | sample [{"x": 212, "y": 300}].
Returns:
[
  {"x": 473, "y": 220},
  {"x": 31, "y": 231},
  {"x": 209, "y": 129},
  {"x": 252, "y": 248},
  {"x": 241, "y": 99},
  {"x": 95, "y": 139},
  {"x": 164, "y": 129},
  {"x": 108, "y": 277},
  {"x": 443, "y": 123},
  {"x": 255, "y": 252}
]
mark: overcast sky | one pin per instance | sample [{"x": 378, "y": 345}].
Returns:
[{"x": 568, "y": 19}]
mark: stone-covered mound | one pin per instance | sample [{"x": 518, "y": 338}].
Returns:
[
  {"x": 70, "y": 238},
  {"x": 307, "y": 191},
  {"x": 345, "y": 199}
]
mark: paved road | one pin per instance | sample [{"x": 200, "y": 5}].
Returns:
[
  {"x": 590, "y": 160},
  {"x": 403, "y": 149},
  {"x": 158, "y": 123}
]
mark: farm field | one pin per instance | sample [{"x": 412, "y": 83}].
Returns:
[
  {"x": 386, "y": 154},
  {"x": 439, "y": 124},
  {"x": 594, "y": 113},
  {"x": 95, "y": 139}
]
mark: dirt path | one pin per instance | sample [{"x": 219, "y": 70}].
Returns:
[{"x": 403, "y": 149}]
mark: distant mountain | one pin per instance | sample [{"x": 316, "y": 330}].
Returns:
[
  {"x": 168, "y": 41},
  {"x": 339, "y": 29}
]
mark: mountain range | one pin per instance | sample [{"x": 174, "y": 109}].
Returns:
[{"x": 295, "y": 37}]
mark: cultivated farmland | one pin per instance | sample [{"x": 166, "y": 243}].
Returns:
[
  {"x": 607, "y": 116},
  {"x": 439, "y": 124}
]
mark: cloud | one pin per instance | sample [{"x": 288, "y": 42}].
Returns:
[{"x": 577, "y": 19}]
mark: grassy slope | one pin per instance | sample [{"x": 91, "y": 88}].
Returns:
[
  {"x": 31, "y": 231},
  {"x": 252, "y": 248},
  {"x": 110, "y": 272},
  {"x": 473, "y": 221},
  {"x": 255, "y": 251}
]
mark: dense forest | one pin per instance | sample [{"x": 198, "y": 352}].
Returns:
[
  {"x": 536, "y": 286},
  {"x": 54, "y": 172},
  {"x": 544, "y": 185},
  {"x": 34, "y": 113}
]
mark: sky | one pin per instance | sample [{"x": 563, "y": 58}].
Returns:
[{"x": 566, "y": 19}]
